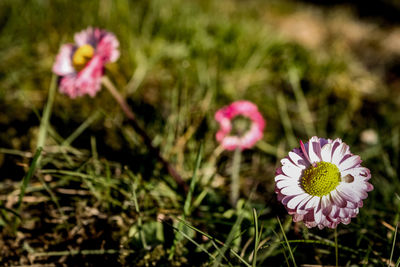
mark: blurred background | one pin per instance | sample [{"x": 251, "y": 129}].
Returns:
[{"x": 326, "y": 68}]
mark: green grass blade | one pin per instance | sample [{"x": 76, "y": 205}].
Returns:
[
  {"x": 394, "y": 243},
  {"x": 193, "y": 241},
  {"x": 28, "y": 177},
  {"x": 44, "y": 123},
  {"x": 16, "y": 152},
  {"x": 284, "y": 253},
  {"x": 230, "y": 239},
  {"x": 24, "y": 185},
  {"x": 80, "y": 252},
  {"x": 287, "y": 243},
  {"x": 304, "y": 111},
  {"x": 82, "y": 128},
  {"x": 189, "y": 238},
  {"x": 319, "y": 242},
  {"x": 218, "y": 250},
  {"x": 286, "y": 122},
  {"x": 188, "y": 201},
  {"x": 140, "y": 223},
  {"x": 256, "y": 237},
  {"x": 216, "y": 240}
]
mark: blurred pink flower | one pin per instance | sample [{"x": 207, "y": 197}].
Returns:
[
  {"x": 81, "y": 65},
  {"x": 322, "y": 183},
  {"x": 224, "y": 117}
]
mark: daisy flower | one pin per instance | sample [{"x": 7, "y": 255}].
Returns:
[
  {"x": 81, "y": 65},
  {"x": 322, "y": 183},
  {"x": 247, "y": 135}
]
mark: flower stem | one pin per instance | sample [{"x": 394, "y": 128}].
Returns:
[
  {"x": 146, "y": 139},
  {"x": 235, "y": 181},
  {"x": 336, "y": 249}
]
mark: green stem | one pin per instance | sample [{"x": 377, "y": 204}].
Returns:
[
  {"x": 267, "y": 148},
  {"x": 235, "y": 181},
  {"x": 182, "y": 186},
  {"x": 256, "y": 237},
  {"x": 336, "y": 249}
]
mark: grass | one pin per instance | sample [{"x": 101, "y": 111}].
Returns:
[{"x": 99, "y": 196}]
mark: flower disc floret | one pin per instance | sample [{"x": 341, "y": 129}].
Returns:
[
  {"x": 321, "y": 179},
  {"x": 82, "y": 56}
]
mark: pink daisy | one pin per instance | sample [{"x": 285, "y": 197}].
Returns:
[
  {"x": 322, "y": 183},
  {"x": 81, "y": 65},
  {"x": 248, "y": 138}
]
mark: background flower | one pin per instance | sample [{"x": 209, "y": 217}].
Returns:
[
  {"x": 322, "y": 183},
  {"x": 81, "y": 65},
  {"x": 224, "y": 117}
]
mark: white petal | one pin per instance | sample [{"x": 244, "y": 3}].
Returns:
[
  {"x": 339, "y": 153},
  {"x": 286, "y": 199},
  {"x": 326, "y": 153},
  {"x": 318, "y": 216},
  {"x": 294, "y": 202},
  {"x": 285, "y": 183},
  {"x": 346, "y": 220},
  {"x": 359, "y": 173},
  {"x": 314, "y": 149},
  {"x": 351, "y": 205},
  {"x": 353, "y": 212},
  {"x": 349, "y": 163},
  {"x": 344, "y": 213},
  {"x": 310, "y": 224},
  {"x": 286, "y": 161},
  {"x": 312, "y": 203},
  {"x": 292, "y": 190},
  {"x": 334, "y": 213},
  {"x": 281, "y": 177},
  {"x": 348, "y": 193},
  {"x": 337, "y": 199},
  {"x": 301, "y": 207},
  {"x": 298, "y": 217},
  {"x": 298, "y": 160},
  {"x": 358, "y": 188},
  {"x": 292, "y": 171},
  {"x": 326, "y": 205}
]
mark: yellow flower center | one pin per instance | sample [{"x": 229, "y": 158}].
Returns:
[
  {"x": 320, "y": 179},
  {"x": 82, "y": 56}
]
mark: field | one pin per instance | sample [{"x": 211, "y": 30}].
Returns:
[{"x": 79, "y": 186}]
